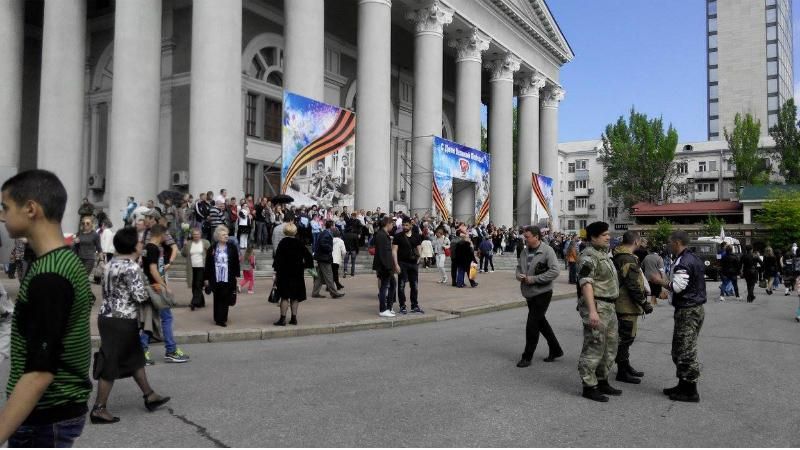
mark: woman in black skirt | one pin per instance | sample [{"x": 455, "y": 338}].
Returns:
[
  {"x": 291, "y": 260},
  {"x": 222, "y": 270},
  {"x": 120, "y": 354}
]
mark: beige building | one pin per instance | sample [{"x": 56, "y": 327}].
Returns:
[
  {"x": 131, "y": 97},
  {"x": 749, "y": 57}
]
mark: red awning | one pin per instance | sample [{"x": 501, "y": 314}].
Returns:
[{"x": 643, "y": 209}]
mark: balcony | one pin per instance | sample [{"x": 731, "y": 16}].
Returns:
[
  {"x": 581, "y": 174},
  {"x": 728, "y": 173},
  {"x": 703, "y": 196},
  {"x": 706, "y": 175},
  {"x": 581, "y": 211},
  {"x": 581, "y": 192}
]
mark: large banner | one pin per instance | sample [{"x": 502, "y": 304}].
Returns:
[
  {"x": 318, "y": 152},
  {"x": 451, "y": 160},
  {"x": 541, "y": 201}
]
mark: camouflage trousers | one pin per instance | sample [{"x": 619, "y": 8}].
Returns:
[
  {"x": 688, "y": 322},
  {"x": 599, "y": 345},
  {"x": 628, "y": 325}
]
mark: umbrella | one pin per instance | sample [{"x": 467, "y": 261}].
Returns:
[
  {"x": 282, "y": 198},
  {"x": 175, "y": 196}
]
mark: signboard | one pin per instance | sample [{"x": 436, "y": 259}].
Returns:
[
  {"x": 621, "y": 226},
  {"x": 318, "y": 152},
  {"x": 455, "y": 161}
]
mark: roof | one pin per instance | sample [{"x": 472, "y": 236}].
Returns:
[
  {"x": 535, "y": 18},
  {"x": 644, "y": 209},
  {"x": 580, "y": 146},
  {"x": 759, "y": 193}
]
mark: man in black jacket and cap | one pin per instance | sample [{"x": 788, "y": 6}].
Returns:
[{"x": 384, "y": 265}]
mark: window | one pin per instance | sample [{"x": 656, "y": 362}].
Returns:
[
  {"x": 772, "y": 86},
  {"x": 250, "y": 178},
  {"x": 582, "y": 202},
  {"x": 712, "y": 75},
  {"x": 772, "y": 67},
  {"x": 772, "y": 15},
  {"x": 772, "y": 120},
  {"x": 713, "y": 92},
  {"x": 612, "y": 212},
  {"x": 712, "y": 8},
  {"x": 713, "y": 126},
  {"x": 681, "y": 189},
  {"x": 712, "y": 25},
  {"x": 582, "y": 223},
  {"x": 683, "y": 167},
  {"x": 581, "y": 164},
  {"x": 706, "y": 187},
  {"x": 731, "y": 166},
  {"x": 713, "y": 109},
  {"x": 712, "y": 41},
  {"x": 712, "y": 166},
  {"x": 571, "y": 167},
  {"x": 712, "y": 58},
  {"x": 570, "y": 205},
  {"x": 272, "y": 120},
  {"x": 772, "y": 103},
  {"x": 772, "y": 33},
  {"x": 772, "y": 50},
  {"x": 701, "y": 166},
  {"x": 570, "y": 186},
  {"x": 581, "y": 184},
  {"x": 570, "y": 224},
  {"x": 250, "y": 114},
  {"x": 767, "y": 163}
]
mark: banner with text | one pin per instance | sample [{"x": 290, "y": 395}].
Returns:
[
  {"x": 318, "y": 152},
  {"x": 452, "y": 160}
]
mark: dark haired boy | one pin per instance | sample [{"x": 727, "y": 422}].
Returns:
[{"x": 48, "y": 386}]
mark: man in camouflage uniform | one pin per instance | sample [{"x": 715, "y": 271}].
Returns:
[
  {"x": 688, "y": 289},
  {"x": 598, "y": 290},
  {"x": 631, "y": 303}
]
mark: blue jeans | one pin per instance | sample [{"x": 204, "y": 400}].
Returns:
[
  {"x": 55, "y": 435},
  {"x": 314, "y": 238},
  {"x": 387, "y": 291},
  {"x": 166, "y": 325}
]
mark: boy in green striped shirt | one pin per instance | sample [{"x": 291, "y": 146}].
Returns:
[{"x": 48, "y": 386}]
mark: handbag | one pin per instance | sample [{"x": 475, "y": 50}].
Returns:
[
  {"x": 447, "y": 252},
  {"x": 273, "y": 294},
  {"x": 473, "y": 271},
  {"x": 313, "y": 272},
  {"x": 371, "y": 251},
  {"x": 762, "y": 283},
  {"x": 161, "y": 300},
  {"x": 99, "y": 268}
]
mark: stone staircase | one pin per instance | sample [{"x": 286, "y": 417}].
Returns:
[{"x": 177, "y": 271}]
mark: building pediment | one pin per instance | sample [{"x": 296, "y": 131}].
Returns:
[{"x": 535, "y": 18}]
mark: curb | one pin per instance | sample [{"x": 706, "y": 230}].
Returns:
[{"x": 256, "y": 334}]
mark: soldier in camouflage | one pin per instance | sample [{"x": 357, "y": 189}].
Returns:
[
  {"x": 598, "y": 291},
  {"x": 631, "y": 303},
  {"x": 688, "y": 288}
]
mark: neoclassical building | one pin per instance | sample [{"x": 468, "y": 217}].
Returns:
[{"x": 131, "y": 97}]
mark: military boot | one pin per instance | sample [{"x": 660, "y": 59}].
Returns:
[
  {"x": 593, "y": 393},
  {"x": 634, "y": 372},
  {"x": 687, "y": 394},
  {"x": 674, "y": 389},
  {"x": 605, "y": 388},
  {"x": 624, "y": 373}
]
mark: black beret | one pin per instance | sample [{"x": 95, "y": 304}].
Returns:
[{"x": 595, "y": 229}]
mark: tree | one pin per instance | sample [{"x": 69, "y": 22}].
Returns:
[
  {"x": 782, "y": 215},
  {"x": 660, "y": 237},
  {"x": 746, "y": 154},
  {"x": 712, "y": 226},
  {"x": 638, "y": 158},
  {"x": 787, "y": 142}
]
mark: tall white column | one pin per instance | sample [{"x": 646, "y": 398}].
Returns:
[
  {"x": 548, "y": 151},
  {"x": 60, "y": 145},
  {"x": 165, "y": 123},
  {"x": 304, "y": 48},
  {"x": 468, "y": 108},
  {"x": 528, "y": 147},
  {"x": 12, "y": 37},
  {"x": 373, "y": 105},
  {"x": 216, "y": 140},
  {"x": 427, "y": 120},
  {"x": 501, "y": 139},
  {"x": 133, "y": 138}
]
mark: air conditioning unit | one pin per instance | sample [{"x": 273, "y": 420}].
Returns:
[
  {"x": 96, "y": 182},
  {"x": 180, "y": 178},
  {"x": 591, "y": 191},
  {"x": 592, "y": 206}
]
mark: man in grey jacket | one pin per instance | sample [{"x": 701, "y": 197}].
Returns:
[{"x": 536, "y": 269}]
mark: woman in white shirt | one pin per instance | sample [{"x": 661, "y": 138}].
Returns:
[
  {"x": 245, "y": 223},
  {"x": 195, "y": 253},
  {"x": 339, "y": 252}
]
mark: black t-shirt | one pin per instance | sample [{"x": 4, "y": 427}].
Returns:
[
  {"x": 407, "y": 247},
  {"x": 151, "y": 255}
]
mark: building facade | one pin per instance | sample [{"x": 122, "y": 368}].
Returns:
[
  {"x": 132, "y": 97},
  {"x": 749, "y": 59}
]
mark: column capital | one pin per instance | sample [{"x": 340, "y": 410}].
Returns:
[
  {"x": 431, "y": 19},
  {"x": 381, "y": 2},
  {"x": 470, "y": 45},
  {"x": 552, "y": 96},
  {"x": 530, "y": 84},
  {"x": 503, "y": 67}
]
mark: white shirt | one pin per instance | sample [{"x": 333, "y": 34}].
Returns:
[
  {"x": 196, "y": 254},
  {"x": 107, "y": 241},
  {"x": 339, "y": 250}
]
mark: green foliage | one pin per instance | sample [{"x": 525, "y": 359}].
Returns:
[
  {"x": 782, "y": 215},
  {"x": 638, "y": 157},
  {"x": 484, "y": 139},
  {"x": 787, "y": 142},
  {"x": 745, "y": 152},
  {"x": 712, "y": 226},
  {"x": 660, "y": 237}
]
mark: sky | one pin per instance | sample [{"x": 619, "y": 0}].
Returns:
[{"x": 644, "y": 53}]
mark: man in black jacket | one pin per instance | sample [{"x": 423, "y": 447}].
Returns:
[
  {"x": 731, "y": 267},
  {"x": 688, "y": 289},
  {"x": 324, "y": 257},
  {"x": 384, "y": 266},
  {"x": 750, "y": 272}
]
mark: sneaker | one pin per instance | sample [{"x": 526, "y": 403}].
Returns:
[
  {"x": 738, "y": 299},
  {"x": 417, "y": 310},
  {"x": 148, "y": 359},
  {"x": 797, "y": 319},
  {"x": 250, "y": 292},
  {"x": 722, "y": 299},
  {"x": 403, "y": 310},
  {"x": 491, "y": 271},
  {"x": 387, "y": 313},
  {"x": 178, "y": 356}
]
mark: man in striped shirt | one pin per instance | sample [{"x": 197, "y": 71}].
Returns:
[{"x": 48, "y": 386}]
